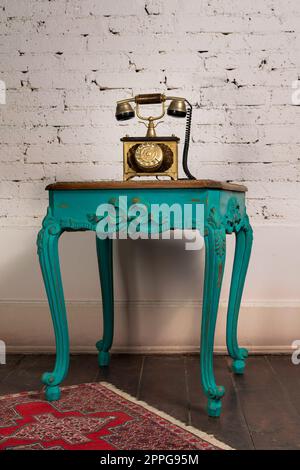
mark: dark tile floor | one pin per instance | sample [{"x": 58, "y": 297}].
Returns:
[{"x": 261, "y": 410}]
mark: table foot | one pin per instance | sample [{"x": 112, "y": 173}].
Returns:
[
  {"x": 238, "y": 366},
  {"x": 52, "y": 393},
  {"x": 103, "y": 358},
  {"x": 214, "y": 407}
]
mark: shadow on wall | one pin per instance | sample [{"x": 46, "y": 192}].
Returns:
[
  {"x": 159, "y": 272},
  {"x": 158, "y": 291},
  {"x": 146, "y": 273}
]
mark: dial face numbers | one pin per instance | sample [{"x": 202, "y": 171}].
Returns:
[{"x": 149, "y": 156}]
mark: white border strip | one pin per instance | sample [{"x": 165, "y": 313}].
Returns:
[{"x": 151, "y": 303}]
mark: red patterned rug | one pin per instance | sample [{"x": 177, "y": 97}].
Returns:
[{"x": 93, "y": 416}]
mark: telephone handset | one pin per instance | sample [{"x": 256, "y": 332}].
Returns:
[{"x": 152, "y": 155}]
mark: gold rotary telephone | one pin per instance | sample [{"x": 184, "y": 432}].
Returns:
[{"x": 152, "y": 155}]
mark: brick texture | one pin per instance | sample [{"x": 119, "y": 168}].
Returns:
[{"x": 66, "y": 62}]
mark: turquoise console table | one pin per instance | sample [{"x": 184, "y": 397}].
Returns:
[{"x": 73, "y": 207}]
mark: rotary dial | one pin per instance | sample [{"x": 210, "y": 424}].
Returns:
[{"x": 149, "y": 156}]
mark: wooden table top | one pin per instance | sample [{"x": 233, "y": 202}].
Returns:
[{"x": 166, "y": 184}]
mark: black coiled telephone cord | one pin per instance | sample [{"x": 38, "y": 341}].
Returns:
[{"x": 187, "y": 144}]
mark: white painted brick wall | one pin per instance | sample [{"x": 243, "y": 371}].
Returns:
[{"x": 66, "y": 62}]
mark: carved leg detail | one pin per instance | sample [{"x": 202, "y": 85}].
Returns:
[
  {"x": 49, "y": 261},
  {"x": 215, "y": 248},
  {"x": 244, "y": 238},
  {"x": 105, "y": 263}
]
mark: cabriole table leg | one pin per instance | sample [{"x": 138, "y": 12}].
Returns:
[
  {"x": 215, "y": 249},
  {"x": 105, "y": 264},
  {"x": 49, "y": 261},
  {"x": 244, "y": 238}
]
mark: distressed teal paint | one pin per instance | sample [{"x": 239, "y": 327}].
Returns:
[
  {"x": 105, "y": 263},
  {"x": 244, "y": 239},
  {"x": 47, "y": 243},
  {"x": 225, "y": 213},
  {"x": 215, "y": 252}
]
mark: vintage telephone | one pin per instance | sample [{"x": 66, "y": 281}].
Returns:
[{"x": 152, "y": 155}]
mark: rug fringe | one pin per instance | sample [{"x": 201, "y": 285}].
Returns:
[{"x": 206, "y": 437}]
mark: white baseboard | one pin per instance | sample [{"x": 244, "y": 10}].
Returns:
[
  {"x": 42, "y": 349},
  {"x": 149, "y": 326}
]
